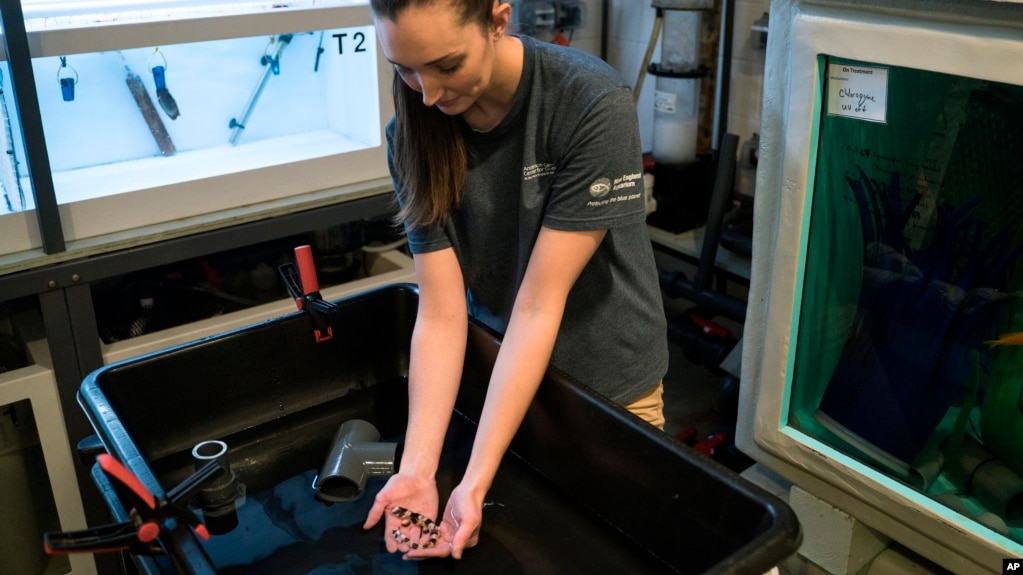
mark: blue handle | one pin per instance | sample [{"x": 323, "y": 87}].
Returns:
[
  {"x": 67, "y": 89},
  {"x": 158, "y": 77}
]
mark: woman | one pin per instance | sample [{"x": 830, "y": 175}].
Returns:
[{"x": 518, "y": 170}]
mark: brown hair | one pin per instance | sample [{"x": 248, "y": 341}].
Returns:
[{"x": 427, "y": 146}]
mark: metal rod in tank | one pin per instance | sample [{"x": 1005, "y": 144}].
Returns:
[{"x": 237, "y": 125}]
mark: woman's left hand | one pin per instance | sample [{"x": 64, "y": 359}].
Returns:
[{"x": 459, "y": 526}]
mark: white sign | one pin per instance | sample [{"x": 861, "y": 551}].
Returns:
[
  {"x": 858, "y": 92},
  {"x": 665, "y": 102}
]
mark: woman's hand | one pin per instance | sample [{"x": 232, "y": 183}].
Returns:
[
  {"x": 556, "y": 262},
  {"x": 459, "y": 526},
  {"x": 435, "y": 369},
  {"x": 412, "y": 492}
]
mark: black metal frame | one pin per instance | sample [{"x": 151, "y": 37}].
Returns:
[{"x": 26, "y": 105}]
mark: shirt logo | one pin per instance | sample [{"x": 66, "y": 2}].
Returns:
[
  {"x": 600, "y": 187},
  {"x": 538, "y": 170}
]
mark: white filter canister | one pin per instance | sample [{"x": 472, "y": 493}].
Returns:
[{"x": 675, "y": 120}]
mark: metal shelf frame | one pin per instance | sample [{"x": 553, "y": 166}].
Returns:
[
  {"x": 26, "y": 105},
  {"x": 69, "y": 319},
  {"x": 64, "y": 291}
]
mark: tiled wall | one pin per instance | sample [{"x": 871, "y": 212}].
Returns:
[
  {"x": 630, "y": 23},
  {"x": 588, "y": 37}
]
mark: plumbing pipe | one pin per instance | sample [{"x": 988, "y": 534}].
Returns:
[
  {"x": 654, "y": 34},
  {"x": 724, "y": 74},
  {"x": 218, "y": 496},
  {"x": 356, "y": 455},
  {"x": 700, "y": 289},
  {"x": 721, "y": 197},
  {"x": 991, "y": 481},
  {"x": 677, "y": 285}
]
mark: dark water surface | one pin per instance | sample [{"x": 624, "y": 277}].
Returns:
[
  {"x": 286, "y": 530},
  {"x": 528, "y": 527}
]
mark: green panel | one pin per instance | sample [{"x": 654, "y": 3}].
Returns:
[{"x": 911, "y": 264}]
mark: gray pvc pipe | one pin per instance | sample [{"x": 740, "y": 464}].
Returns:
[
  {"x": 991, "y": 481},
  {"x": 220, "y": 494},
  {"x": 356, "y": 455}
]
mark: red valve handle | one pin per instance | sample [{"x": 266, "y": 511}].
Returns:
[{"x": 307, "y": 270}]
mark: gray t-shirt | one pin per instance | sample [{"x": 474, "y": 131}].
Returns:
[{"x": 567, "y": 156}]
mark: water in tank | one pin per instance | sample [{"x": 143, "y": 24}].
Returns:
[{"x": 910, "y": 323}]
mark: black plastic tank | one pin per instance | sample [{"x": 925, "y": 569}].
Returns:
[{"x": 585, "y": 488}]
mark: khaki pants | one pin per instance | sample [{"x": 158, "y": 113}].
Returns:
[{"x": 650, "y": 407}]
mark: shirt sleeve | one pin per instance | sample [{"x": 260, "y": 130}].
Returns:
[{"x": 598, "y": 181}]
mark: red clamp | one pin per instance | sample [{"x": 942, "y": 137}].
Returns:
[
  {"x": 304, "y": 287},
  {"x": 711, "y": 327},
  {"x": 687, "y": 435},
  {"x": 708, "y": 446},
  {"x": 146, "y": 519}
]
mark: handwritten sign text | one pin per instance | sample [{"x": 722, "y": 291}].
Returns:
[{"x": 858, "y": 92}]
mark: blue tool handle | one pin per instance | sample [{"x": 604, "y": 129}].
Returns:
[{"x": 159, "y": 77}]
